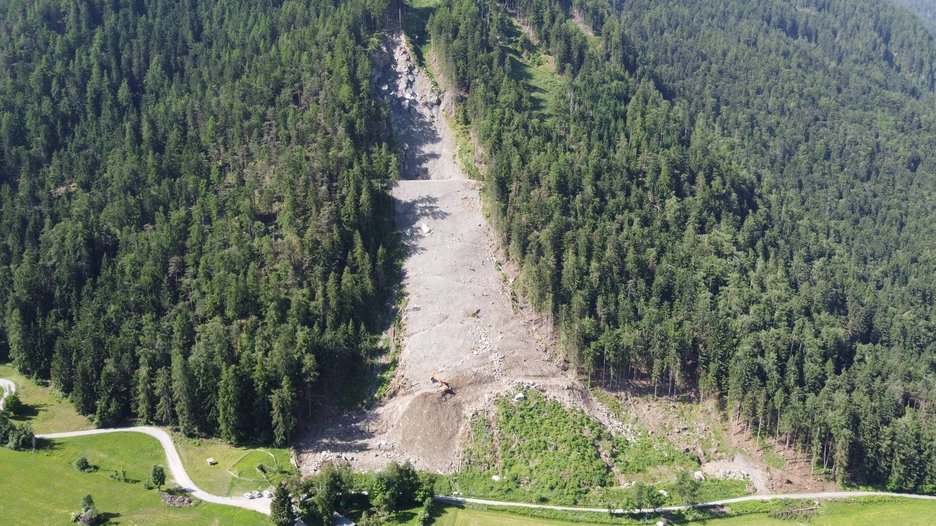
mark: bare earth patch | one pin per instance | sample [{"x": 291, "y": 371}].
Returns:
[
  {"x": 460, "y": 322},
  {"x": 725, "y": 448}
]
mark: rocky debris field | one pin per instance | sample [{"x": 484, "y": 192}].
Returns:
[{"x": 460, "y": 322}]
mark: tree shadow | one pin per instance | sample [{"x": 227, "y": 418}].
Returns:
[
  {"x": 108, "y": 517},
  {"x": 176, "y": 491},
  {"x": 45, "y": 444},
  {"x": 417, "y": 132},
  {"x": 28, "y": 412},
  {"x": 410, "y": 216},
  {"x": 415, "y": 23}
]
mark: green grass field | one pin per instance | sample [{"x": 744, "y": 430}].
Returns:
[
  {"x": 859, "y": 512},
  {"x": 236, "y": 470},
  {"x": 45, "y": 410},
  {"x": 42, "y": 488}
]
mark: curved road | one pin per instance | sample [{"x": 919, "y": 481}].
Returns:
[
  {"x": 172, "y": 458},
  {"x": 263, "y": 505},
  {"x": 175, "y": 466}
]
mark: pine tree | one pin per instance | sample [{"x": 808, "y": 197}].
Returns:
[
  {"x": 163, "y": 394},
  {"x": 143, "y": 395},
  {"x": 281, "y": 508},
  {"x": 158, "y": 477},
  {"x": 231, "y": 405},
  {"x": 283, "y": 402},
  {"x": 183, "y": 394}
]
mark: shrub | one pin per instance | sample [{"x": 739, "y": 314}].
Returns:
[
  {"x": 424, "y": 517},
  {"x": 158, "y": 476},
  {"x": 88, "y": 515},
  {"x": 20, "y": 437},
  {"x": 81, "y": 464},
  {"x": 12, "y": 404}
]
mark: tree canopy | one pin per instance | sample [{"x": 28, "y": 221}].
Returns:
[
  {"x": 726, "y": 198},
  {"x": 194, "y": 211}
]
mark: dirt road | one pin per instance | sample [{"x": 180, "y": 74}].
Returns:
[
  {"x": 176, "y": 468},
  {"x": 620, "y": 511},
  {"x": 173, "y": 461}
]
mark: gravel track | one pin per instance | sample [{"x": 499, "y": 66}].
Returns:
[
  {"x": 174, "y": 462},
  {"x": 620, "y": 511},
  {"x": 175, "y": 465}
]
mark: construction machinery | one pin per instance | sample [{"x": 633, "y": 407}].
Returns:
[{"x": 443, "y": 386}]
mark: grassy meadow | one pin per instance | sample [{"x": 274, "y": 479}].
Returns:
[{"x": 42, "y": 488}]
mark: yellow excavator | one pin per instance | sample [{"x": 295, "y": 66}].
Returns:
[{"x": 443, "y": 386}]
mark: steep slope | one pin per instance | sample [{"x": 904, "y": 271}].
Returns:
[
  {"x": 461, "y": 322},
  {"x": 925, "y": 9},
  {"x": 728, "y": 199},
  {"x": 194, "y": 223}
]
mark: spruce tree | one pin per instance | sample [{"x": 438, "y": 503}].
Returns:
[{"x": 281, "y": 508}]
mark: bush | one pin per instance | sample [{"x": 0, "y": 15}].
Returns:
[
  {"x": 89, "y": 515},
  {"x": 158, "y": 476},
  {"x": 396, "y": 487},
  {"x": 20, "y": 437},
  {"x": 12, "y": 404},
  {"x": 424, "y": 517},
  {"x": 81, "y": 464}
]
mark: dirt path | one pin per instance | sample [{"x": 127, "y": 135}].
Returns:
[
  {"x": 176, "y": 468},
  {"x": 739, "y": 468},
  {"x": 459, "y": 320},
  {"x": 725, "y": 502},
  {"x": 174, "y": 462}
]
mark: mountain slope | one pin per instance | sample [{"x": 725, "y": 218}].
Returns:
[
  {"x": 194, "y": 221},
  {"x": 731, "y": 199}
]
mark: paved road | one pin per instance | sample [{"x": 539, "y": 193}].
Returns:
[
  {"x": 6, "y": 389},
  {"x": 620, "y": 511}
]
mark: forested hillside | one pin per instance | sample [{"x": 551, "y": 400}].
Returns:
[
  {"x": 926, "y": 9},
  {"x": 194, "y": 218},
  {"x": 727, "y": 198}
]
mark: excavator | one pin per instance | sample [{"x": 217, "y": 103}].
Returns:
[{"x": 443, "y": 386}]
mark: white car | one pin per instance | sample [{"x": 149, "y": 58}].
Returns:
[
  {"x": 268, "y": 494},
  {"x": 248, "y": 495},
  {"x": 256, "y": 495}
]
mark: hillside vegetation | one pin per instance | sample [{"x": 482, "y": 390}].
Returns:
[
  {"x": 195, "y": 225},
  {"x": 727, "y": 198}
]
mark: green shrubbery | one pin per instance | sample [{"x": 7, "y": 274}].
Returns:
[
  {"x": 81, "y": 464},
  {"x": 377, "y": 497},
  {"x": 15, "y": 436},
  {"x": 88, "y": 516},
  {"x": 542, "y": 451},
  {"x": 12, "y": 404}
]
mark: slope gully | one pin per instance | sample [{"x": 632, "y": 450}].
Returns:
[{"x": 460, "y": 322}]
